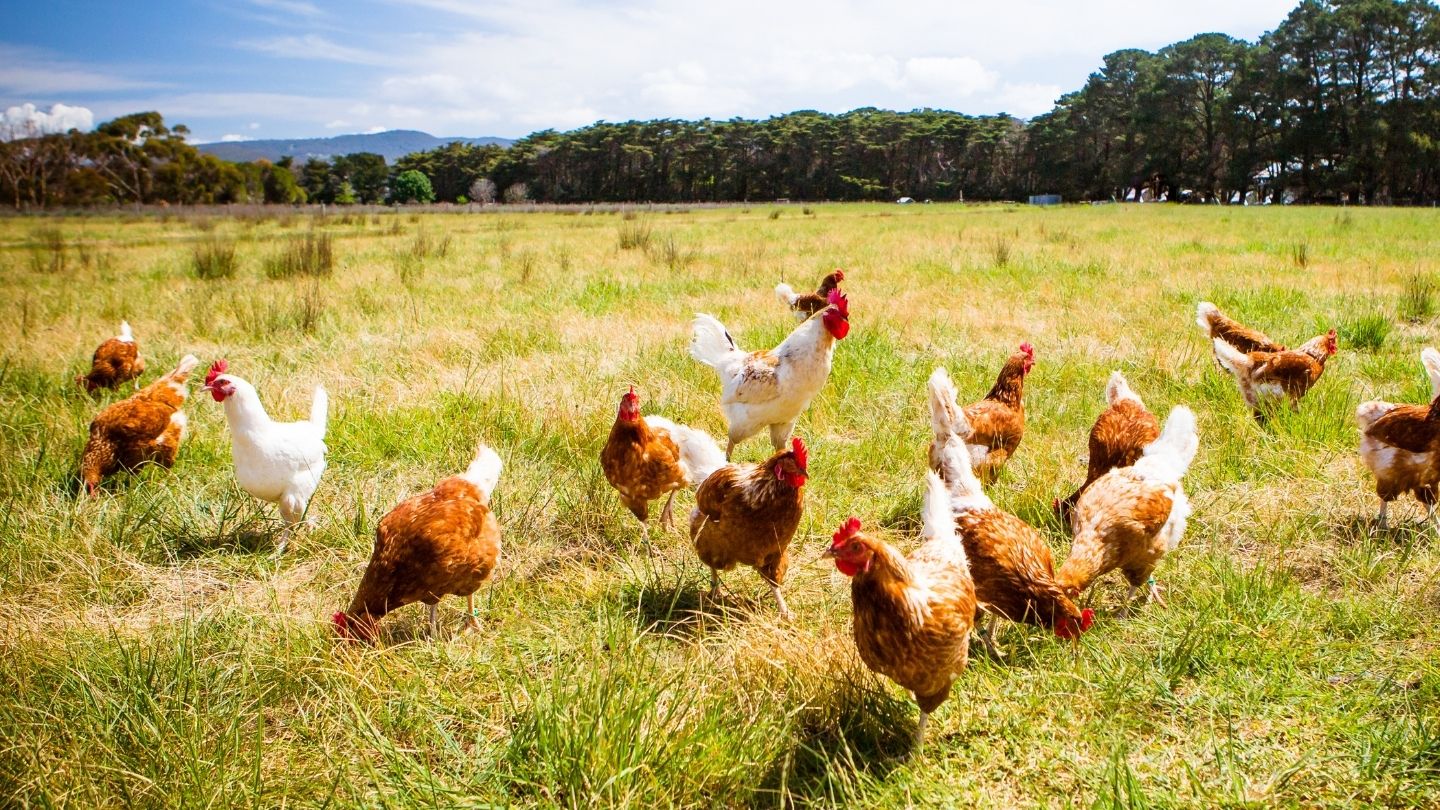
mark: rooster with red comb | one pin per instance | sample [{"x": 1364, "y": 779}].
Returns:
[
  {"x": 913, "y": 613},
  {"x": 748, "y": 513},
  {"x": 768, "y": 390}
]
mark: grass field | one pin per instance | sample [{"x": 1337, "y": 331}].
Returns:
[{"x": 155, "y": 653}]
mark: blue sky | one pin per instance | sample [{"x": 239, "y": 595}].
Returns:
[{"x": 299, "y": 68}]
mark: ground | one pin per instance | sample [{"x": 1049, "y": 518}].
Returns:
[{"x": 156, "y": 652}]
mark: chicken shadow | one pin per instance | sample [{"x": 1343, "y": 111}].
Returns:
[
  {"x": 859, "y": 726},
  {"x": 1404, "y": 532},
  {"x": 189, "y": 540},
  {"x": 680, "y": 609}
]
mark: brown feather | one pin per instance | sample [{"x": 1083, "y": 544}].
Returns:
[
  {"x": 139, "y": 429},
  {"x": 1117, "y": 439},
  {"x": 444, "y": 542},
  {"x": 115, "y": 361},
  {"x": 923, "y": 653},
  {"x": 745, "y": 515}
]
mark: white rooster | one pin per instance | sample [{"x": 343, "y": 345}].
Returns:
[
  {"x": 279, "y": 462},
  {"x": 771, "y": 388}
]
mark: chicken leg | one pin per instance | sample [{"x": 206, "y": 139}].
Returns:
[
  {"x": 667, "y": 515},
  {"x": 785, "y": 613},
  {"x": 780, "y": 434},
  {"x": 434, "y": 614},
  {"x": 987, "y": 637},
  {"x": 920, "y": 732},
  {"x": 472, "y": 621}
]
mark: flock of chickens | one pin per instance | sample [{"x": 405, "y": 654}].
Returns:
[{"x": 913, "y": 614}]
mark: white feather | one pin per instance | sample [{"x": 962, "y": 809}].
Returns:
[
  {"x": 1118, "y": 389},
  {"x": 699, "y": 454},
  {"x": 1167, "y": 458},
  {"x": 484, "y": 471}
]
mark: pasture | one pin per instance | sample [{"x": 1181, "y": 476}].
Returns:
[{"x": 156, "y": 653}]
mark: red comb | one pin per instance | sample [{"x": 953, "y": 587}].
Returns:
[
  {"x": 802, "y": 457},
  {"x": 839, "y": 275},
  {"x": 216, "y": 369},
  {"x": 847, "y": 530},
  {"x": 342, "y": 623},
  {"x": 632, "y": 392},
  {"x": 1027, "y": 349},
  {"x": 840, "y": 302},
  {"x": 1087, "y": 618}
]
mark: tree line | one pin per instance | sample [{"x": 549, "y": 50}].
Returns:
[{"x": 1341, "y": 102}]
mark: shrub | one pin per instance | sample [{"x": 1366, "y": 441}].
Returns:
[
  {"x": 411, "y": 186},
  {"x": 634, "y": 234},
  {"x": 48, "y": 253},
  {"x": 1417, "y": 301},
  {"x": 1366, "y": 332},
  {"x": 214, "y": 258},
  {"x": 311, "y": 255}
]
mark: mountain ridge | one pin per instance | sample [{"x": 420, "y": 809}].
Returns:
[{"x": 392, "y": 144}]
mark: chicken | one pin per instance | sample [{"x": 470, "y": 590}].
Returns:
[
  {"x": 146, "y": 427},
  {"x": 1010, "y": 563},
  {"x": 444, "y": 542},
  {"x": 647, "y": 458},
  {"x": 748, "y": 513},
  {"x": 1133, "y": 516},
  {"x": 279, "y": 462},
  {"x": 912, "y": 614},
  {"x": 116, "y": 361},
  {"x": 1117, "y": 439},
  {"x": 1264, "y": 377},
  {"x": 1217, "y": 325},
  {"x": 806, "y": 304},
  {"x": 1399, "y": 444},
  {"x": 770, "y": 389},
  {"x": 997, "y": 422}
]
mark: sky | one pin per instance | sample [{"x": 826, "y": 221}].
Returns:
[{"x": 246, "y": 69}]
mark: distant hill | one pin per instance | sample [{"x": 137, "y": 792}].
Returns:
[{"x": 393, "y": 144}]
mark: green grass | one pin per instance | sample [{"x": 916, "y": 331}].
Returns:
[{"x": 156, "y": 654}]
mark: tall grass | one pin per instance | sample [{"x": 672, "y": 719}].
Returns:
[
  {"x": 214, "y": 258},
  {"x": 310, "y": 255}
]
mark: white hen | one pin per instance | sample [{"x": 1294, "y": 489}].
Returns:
[
  {"x": 771, "y": 388},
  {"x": 279, "y": 462}
]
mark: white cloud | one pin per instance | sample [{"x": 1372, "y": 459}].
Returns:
[
  {"x": 26, "y": 120},
  {"x": 297, "y": 7},
  {"x": 314, "y": 46},
  {"x": 233, "y": 138},
  {"x": 1027, "y": 100},
  {"x": 253, "y": 125},
  {"x": 508, "y": 67}
]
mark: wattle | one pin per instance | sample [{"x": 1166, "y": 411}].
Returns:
[{"x": 848, "y": 567}]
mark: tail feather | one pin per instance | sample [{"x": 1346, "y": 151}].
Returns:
[
  {"x": 1235, "y": 361},
  {"x": 1205, "y": 315},
  {"x": 1118, "y": 389},
  {"x": 700, "y": 455},
  {"x": 320, "y": 409},
  {"x": 711, "y": 343},
  {"x": 1431, "y": 359},
  {"x": 484, "y": 471},
  {"x": 786, "y": 294},
  {"x": 946, "y": 417},
  {"x": 1367, "y": 412},
  {"x": 125, "y": 333},
  {"x": 1167, "y": 458},
  {"x": 182, "y": 371},
  {"x": 938, "y": 517}
]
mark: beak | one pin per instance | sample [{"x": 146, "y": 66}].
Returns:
[{"x": 828, "y": 552}]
